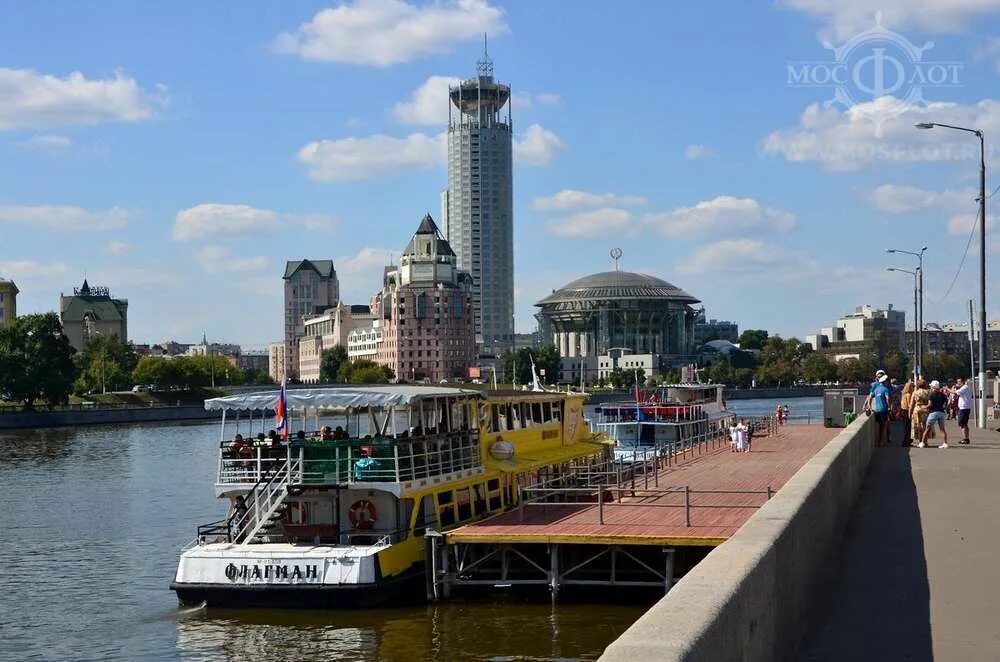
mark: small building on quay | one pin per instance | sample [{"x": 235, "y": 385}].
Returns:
[
  {"x": 619, "y": 319},
  {"x": 424, "y": 327},
  {"x": 91, "y": 311}
]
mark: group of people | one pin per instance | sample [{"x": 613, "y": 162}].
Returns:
[
  {"x": 781, "y": 414},
  {"x": 740, "y": 436},
  {"x": 922, "y": 406}
]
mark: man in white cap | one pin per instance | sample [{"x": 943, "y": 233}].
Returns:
[
  {"x": 878, "y": 404},
  {"x": 937, "y": 404}
]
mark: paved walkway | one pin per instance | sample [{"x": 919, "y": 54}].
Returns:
[
  {"x": 660, "y": 519},
  {"x": 917, "y": 575}
]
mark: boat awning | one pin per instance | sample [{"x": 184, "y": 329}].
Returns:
[
  {"x": 339, "y": 397},
  {"x": 534, "y": 460}
]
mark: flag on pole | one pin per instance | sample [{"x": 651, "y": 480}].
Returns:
[{"x": 281, "y": 413}]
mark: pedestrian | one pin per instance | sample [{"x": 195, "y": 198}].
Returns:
[
  {"x": 785, "y": 413},
  {"x": 918, "y": 411},
  {"x": 878, "y": 403},
  {"x": 734, "y": 436},
  {"x": 905, "y": 403},
  {"x": 963, "y": 394},
  {"x": 750, "y": 430},
  {"x": 742, "y": 436},
  {"x": 936, "y": 414}
]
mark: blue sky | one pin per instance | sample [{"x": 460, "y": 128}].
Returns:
[{"x": 181, "y": 152}]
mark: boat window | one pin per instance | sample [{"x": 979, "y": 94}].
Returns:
[
  {"x": 546, "y": 412},
  {"x": 426, "y": 517},
  {"x": 536, "y": 413},
  {"x": 458, "y": 420},
  {"x": 447, "y": 508},
  {"x": 463, "y": 497},
  {"x": 556, "y": 411},
  {"x": 496, "y": 424}
]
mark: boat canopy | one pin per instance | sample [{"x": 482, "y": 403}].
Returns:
[{"x": 355, "y": 397}]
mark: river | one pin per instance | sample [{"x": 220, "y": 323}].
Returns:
[{"x": 93, "y": 524}]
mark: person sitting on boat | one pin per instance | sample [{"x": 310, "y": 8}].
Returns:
[
  {"x": 338, "y": 433},
  {"x": 326, "y": 434},
  {"x": 300, "y": 435},
  {"x": 364, "y": 464},
  {"x": 272, "y": 436},
  {"x": 261, "y": 440},
  {"x": 236, "y": 445}
]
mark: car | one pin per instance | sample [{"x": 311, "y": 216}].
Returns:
[{"x": 140, "y": 388}]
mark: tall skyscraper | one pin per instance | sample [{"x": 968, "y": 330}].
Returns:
[{"x": 477, "y": 208}]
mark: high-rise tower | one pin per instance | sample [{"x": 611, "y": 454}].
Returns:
[{"x": 477, "y": 208}]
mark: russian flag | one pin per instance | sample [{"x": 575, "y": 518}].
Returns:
[{"x": 281, "y": 413}]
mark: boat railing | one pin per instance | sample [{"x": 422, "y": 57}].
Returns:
[
  {"x": 630, "y": 412},
  {"x": 248, "y": 465},
  {"x": 393, "y": 460}
]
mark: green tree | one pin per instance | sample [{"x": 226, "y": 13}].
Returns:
[
  {"x": 721, "y": 372},
  {"x": 818, "y": 368},
  {"x": 897, "y": 365},
  {"x": 363, "y": 371},
  {"x": 36, "y": 361},
  {"x": 330, "y": 361},
  {"x": 154, "y": 371},
  {"x": 546, "y": 359},
  {"x": 851, "y": 370},
  {"x": 625, "y": 380},
  {"x": 753, "y": 339},
  {"x": 105, "y": 364},
  {"x": 945, "y": 366}
]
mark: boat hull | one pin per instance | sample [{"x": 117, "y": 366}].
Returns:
[{"x": 407, "y": 588}]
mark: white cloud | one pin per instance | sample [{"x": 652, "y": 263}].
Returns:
[
  {"x": 961, "y": 224},
  {"x": 851, "y": 139},
  {"x": 537, "y": 147},
  {"x": 568, "y": 199},
  {"x": 29, "y": 269},
  {"x": 30, "y": 100},
  {"x": 49, "y": 142},
  {"x": 217, "y": 259},
  {"x": 117, "y": 247},
  {"x": 698, "y": 152},
  {"x": 606, "y": 220},
  {"x": 66, "y": 218},
  {"x": 900, "y": 199},
  {"x": 724, "y": 214},
  {"x": 226, "y": 219},
  {"x": 845, "y": 18},
  {"x": 747, "y": 258},
  {"x": 351, "y": 159},
  {"x": 385, "y": 32},
  {"x": 548, "y": 98},
  {"x": 361, "y": 274},
  {"x": 428, "y": 104}
]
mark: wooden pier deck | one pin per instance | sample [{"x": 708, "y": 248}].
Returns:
[{"x": 658, "y": 518}]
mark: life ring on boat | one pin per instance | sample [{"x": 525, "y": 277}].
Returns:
[{"x": 363, "y": 514}]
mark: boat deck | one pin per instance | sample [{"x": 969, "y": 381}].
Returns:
[{"x": 725, "y": 489}]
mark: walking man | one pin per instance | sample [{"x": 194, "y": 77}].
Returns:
[
  {"x": 963, "y": 390},
  {"x": 938, "y": 403},
  {"x": 878, "y": 403}
]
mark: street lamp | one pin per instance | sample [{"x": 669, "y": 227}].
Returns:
[
  {"x": 916, "y": 343},
  {"x": 981, "y": 413},
  {"x": 918, "y": 321}
]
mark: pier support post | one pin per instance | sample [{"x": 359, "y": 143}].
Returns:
[
  {"x": 445, "y": 578},
  {"x": 554, "y": 572},
  {"x": 668, "y": 571}
]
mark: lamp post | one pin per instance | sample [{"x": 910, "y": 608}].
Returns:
[
  {"x": 981, "y": 412},
  {"x": 918, "y": 321},
  {"x": 916, "y": 345}
]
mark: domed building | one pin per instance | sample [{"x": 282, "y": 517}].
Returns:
[{"x": 621, "y": 313}]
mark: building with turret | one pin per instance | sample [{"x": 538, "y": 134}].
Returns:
[
  {"x": 424, "y": 313},
  {"x": 91, "y": 311},
  {"x": 311, "y": 287}
]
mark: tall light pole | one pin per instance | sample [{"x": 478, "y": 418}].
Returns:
[
  {"x": 916, "y": 345},
  {"x": 918, "y": 320},
  {"x": 981, "y": 413}
]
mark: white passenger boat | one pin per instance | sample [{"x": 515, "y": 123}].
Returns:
[
  {"x": 341, "y": 522},
  {"x": 663, "y": 420}
]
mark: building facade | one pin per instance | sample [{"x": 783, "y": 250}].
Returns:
[
  {"x": 867, "y": 332},
  {"x": 276, "y": 361},
  {"x": 311, "y": 286},
  {"x": 619, "y": 311},
  {"x": 326, "y": 331},
  {"x": 706, "y": 329},
  {"x": 90, "y": 312},
  {"x": 477, "y": 208},
  {"x": 951, "y": 338},
  {"x": 424, "y": 312},
  {"x": 8, "y": 302}
]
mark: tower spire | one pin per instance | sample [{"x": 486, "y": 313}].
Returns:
[{"x": 485, "y": 66}]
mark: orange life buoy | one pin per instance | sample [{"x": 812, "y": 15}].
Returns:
[{"x": 363, "y": 514}]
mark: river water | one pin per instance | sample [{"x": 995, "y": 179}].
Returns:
[{"x": 92, "y": 526}]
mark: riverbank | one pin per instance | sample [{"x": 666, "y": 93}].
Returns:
[{"x": 18, "y": 420}]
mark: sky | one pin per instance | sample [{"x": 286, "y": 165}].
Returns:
[{"x": 761, "y": 156}]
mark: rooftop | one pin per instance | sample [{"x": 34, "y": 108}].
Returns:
[{"x": 617, "y": 285}]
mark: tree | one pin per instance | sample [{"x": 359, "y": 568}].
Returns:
[
  {"x": 154, "y": 371},
  {"x": 945, "y": 366},
  {"x": 752, "y": 339},
  {"x": 626, "y": 380},
  {"x": 363, "y": 371},
  {"x": 330, "y": 361},
  {"x": 36, "y": 361},
  {"x": 897, "y": 365},
  {"x": 105, "y": 364},
  {"x": 546, "y": 359},
  {"x": 721, "y": 372},
  {"x": 818, "y": 368},
  {"x": 851, "y": 370}
]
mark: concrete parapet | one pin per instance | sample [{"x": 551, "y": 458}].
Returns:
[
  {"x": 747, "y": 599},
  {"x": 73, "y": 418}
]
